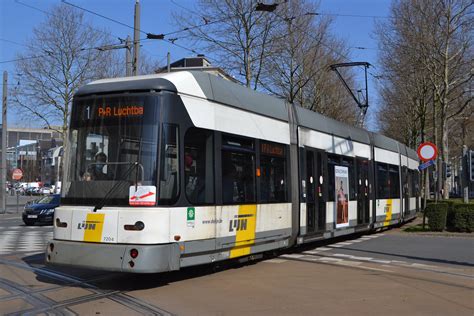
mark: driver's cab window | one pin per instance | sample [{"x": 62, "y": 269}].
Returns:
[{"x": 97, "y": 154}]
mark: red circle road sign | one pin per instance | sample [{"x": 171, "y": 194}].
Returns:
[
  {"x": 427, "y": 151},
  {"x": 17, "y": 174}
]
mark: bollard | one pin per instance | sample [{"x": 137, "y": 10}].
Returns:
[{"x": 17, "y": 201}]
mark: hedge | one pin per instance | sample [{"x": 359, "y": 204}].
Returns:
[
  {"x": 436, "y": 214},
  {"x": 463, "y": 218},
  {"x": 459, "y": 216}
]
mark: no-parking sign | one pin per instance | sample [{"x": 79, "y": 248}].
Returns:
[
  {"x": 427, "y": 151},
  {"x": 17, "y": 174}
]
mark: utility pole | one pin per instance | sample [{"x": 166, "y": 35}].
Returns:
[
  {"x": 128, "y": 56},
  {"x": 169, "y": 62},
  {"x": 136, "y": 39},
  {"x": 3, "y": 174}
]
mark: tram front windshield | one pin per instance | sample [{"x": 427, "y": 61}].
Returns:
[{"x": 113, "y": 144}]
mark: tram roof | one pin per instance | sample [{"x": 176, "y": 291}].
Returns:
[{"x": 211, "y": 87}]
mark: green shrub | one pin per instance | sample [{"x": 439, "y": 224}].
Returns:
[
  {"x": 436, "y": 214},
  {"x": 463, "y": 218},
  {"x": 453, "y": 206}
]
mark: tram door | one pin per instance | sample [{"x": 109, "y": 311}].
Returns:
[
  {"x": 363, "y": 197},
  {"x": 316, "y": 201}
]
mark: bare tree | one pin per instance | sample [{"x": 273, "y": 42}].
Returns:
[
  {"x": 299, "y": 68},
  {"x": 62, "y": 56},
  {"x": 240, "y": 37},
  {"x": 427, "y": 54}
]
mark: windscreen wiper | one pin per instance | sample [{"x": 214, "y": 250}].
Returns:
[{"x": 118, "y": 183}]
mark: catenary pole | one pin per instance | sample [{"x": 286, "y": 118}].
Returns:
[
  {"x": 168, "y": 63},
  {"x": 136, "y": 39},
  {"x": 128, "y": 56},
  {"x": 3, "y": 174}
]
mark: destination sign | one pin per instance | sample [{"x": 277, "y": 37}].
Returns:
[
  {"x": 272, "y": 149},
  {"x": 120, "y": 111}
]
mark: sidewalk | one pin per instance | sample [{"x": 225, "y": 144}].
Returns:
[
  {"x": 12, "y": 203},
  {"x": 416, "y": 224}
]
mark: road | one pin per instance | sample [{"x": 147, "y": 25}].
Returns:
[{"x": 391, "y": 272}]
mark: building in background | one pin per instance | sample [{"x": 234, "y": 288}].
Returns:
[{"x": 35, "y": 151}]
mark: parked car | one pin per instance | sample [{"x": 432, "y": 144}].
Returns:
[
  {"x": 46, "y": 190},
  {"x": 42, "y": 210},
  {"x": 31, "y": 191}
]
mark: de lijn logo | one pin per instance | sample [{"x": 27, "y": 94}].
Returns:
[
  {"x": 190, "y": 217},
  {"x": 239, "y": 223},
  {"x": 87, "y": 225}
]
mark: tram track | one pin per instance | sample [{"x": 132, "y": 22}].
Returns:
[{"x": 42, "y": 304}]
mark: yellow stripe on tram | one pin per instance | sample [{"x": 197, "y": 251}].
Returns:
[
  {"x": 94, "y": 227},
  {"x": 388, "y": 213},
  {"x": 245, "y": 224}
]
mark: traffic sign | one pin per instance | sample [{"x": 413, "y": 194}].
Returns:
[
  {"x": 426, "y": 165},
  {"x": 427, "y": 151},
  {"x": 17, "y": 174}
]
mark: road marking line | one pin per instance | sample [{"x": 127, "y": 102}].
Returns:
[
  {"x": 312, "y": 252},
  {"x": 329, "y": 259},
  {"x": 292, "y": 255},
  {"x": 276, "y": 260},
  {"x": 374, "y": 269},
  {"x": 380, "y": 261},
  {"x": 362, "y": 258},
  {"x": 322, "y": 248},
  {"x": 344, "y": 243}
]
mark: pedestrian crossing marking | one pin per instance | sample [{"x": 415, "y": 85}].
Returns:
[{"x": 18, "y": 240}]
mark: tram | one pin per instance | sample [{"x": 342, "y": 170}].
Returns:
[{"x": 185, "y": 168}]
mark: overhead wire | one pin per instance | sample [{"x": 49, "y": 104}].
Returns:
[
  {"x": 350, "y": 15},
  {"x": 12, "y": 42},
  {"x": 171, "y": 41}
]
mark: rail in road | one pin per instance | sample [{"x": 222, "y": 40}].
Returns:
[
  {"x": 405, "y": 278},
  {"x": 40, "y": 303}
]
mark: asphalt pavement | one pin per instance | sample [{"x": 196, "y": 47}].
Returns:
[{"x": 389, "y": 272}]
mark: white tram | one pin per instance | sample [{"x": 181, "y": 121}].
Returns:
[{"x": 181, "y": 169}]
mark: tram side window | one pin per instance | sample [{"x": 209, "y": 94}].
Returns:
[
  {"x": 169, "y": 179},
  {"x": 383, "y": 184},
  {"x": 394, "y": 177},
  {"x": 273, "y": 180},
  {"x": 415, "y": 183},
  {"x": 238, "y": 170},
  {"x": 199, "y": 166},
  {"x": 408, "y": 184},
  {"x": 333, "y": 160}
]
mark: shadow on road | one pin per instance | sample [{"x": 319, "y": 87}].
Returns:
[{"x": 119, "y": 281}]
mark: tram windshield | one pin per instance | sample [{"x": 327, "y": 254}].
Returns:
[{"x": 113, "y": 145}]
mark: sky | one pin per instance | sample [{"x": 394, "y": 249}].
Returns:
[{"x": 18, "y": 18}]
